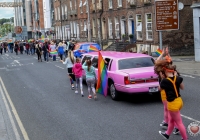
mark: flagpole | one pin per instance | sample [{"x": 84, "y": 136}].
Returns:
[{"x": 89, "y": 34}]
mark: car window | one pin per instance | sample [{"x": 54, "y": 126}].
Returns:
[
  {"x": 95, "y": 62},
  {"x": 135, "y": 63},
  {"x": 86, "y": 57}
]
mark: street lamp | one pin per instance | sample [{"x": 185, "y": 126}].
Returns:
[{"x": 61, "y": 21}]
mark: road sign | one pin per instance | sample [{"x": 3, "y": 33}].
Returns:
[{"x": 167, "y": 15}]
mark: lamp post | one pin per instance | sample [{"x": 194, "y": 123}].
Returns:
[
  {"x": 61, "y": 22},
  {"x": 89, "y": 32}
]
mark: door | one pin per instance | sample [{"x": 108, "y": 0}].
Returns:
[{"x": 133, "y": 30}]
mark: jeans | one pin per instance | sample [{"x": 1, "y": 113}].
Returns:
[
  {"x": 54, "y": 58},
  {"x": 32, "y": 51},
  {"x": 79, "y": 83},
  {"x": 46, "y": 56}
]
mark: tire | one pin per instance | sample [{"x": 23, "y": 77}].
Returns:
[{"x": 113, "y": 92}]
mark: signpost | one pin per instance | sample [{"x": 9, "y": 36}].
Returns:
[{"x": 167, "y": 16}]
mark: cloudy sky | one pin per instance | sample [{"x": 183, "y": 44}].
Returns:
[{"x": 6, "y": 12}]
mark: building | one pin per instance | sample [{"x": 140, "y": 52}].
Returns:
[
  {"x": 38, "y": 19},
  {"x": 23, "y": 19},
  {"x": 48, "y": 10},
  {"x": 113, "y": 21}
]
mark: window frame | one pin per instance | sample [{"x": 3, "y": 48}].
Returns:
[
  {"x": 119, "y": 1},
  {"x": 110, "y": 4},
  {"x": 96, "y": 66},
  {"x": 137, "y": 22},
  {"x": 146, "y": 24},
  {"x": 110, "y": 28}
]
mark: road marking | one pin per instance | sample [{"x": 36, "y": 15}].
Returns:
[
  {"x": 24, "y": 133},
  {"x": 17, "y": 136},
  {"x": 189, "y": 118},
  {"x": 59, "y": 67},
  {"x": 187, "y": 75}
]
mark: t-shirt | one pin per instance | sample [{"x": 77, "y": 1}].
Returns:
[
  {"x": 169, "y": 88},
  {"x": 89, "y": 74}
]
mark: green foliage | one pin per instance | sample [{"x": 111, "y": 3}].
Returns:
[{"x": 7, "y": 27}]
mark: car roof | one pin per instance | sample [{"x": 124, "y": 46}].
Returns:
[{"x": 118, "y": 55}]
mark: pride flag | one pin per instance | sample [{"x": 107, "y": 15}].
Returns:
[
  {"x": 158, "y": 52},
  {"x": 53, "y": 53},
  {"x": 102, "y": 82},
  {"x": 93, "y": 49}
]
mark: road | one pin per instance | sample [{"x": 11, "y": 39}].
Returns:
[{"x": 47, "y": 108}]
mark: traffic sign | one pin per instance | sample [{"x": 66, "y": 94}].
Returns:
[
  {"x": 18, "y": 29},
  {"x": 167, "y": 15}
]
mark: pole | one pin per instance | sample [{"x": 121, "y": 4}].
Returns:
[
  {"x": 61, "y": 21},
  {"x": 160, "y": 38},
  {"x": 89, "y": 34}
]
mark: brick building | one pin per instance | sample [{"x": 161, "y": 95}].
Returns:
[
  {"x": 38, "y": 19},
  {"x": 112, "y": 20}
]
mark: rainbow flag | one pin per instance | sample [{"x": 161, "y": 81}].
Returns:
[
  {"x": 158, "y": 52},
  {"x": 102, "y": 81},
  {"x": 53, "y": 53},
  {"x": 93, "y": 49}
]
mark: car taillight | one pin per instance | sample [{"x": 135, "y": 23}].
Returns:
[
  {"x": 151, "y": 80},
  {"x": 126, "y": 80}
]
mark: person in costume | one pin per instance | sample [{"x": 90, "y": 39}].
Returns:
[{"x": 172, "y": 85}]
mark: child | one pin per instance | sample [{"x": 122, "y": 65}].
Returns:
[
  {"x": 90, "y": 78},
  {"x": 77, "y": 70},
  {"x": 171, "y": 84}
]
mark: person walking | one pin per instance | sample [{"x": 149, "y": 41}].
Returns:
[
  {"x": 90, "y": 78},
  {"x": 65, "y": 48},
  {"x": 53, "y": 48},
  {"x": 172, "y": 85},
  {"x": 16, "y": 48},
  {"x": 60, "y": 50},
  {"x": 27, "y": 48},
  {"x": 45, "y": 49},
  {"x": 69, "y": 62},
  {"x": 21, "y": 47},
  {"x": 78, "y": 72},
  {"x": 1, "y": 48},
  {"x": 39, "y": 51}
]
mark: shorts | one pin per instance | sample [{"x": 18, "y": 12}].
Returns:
[
  {"x": 175, "y": 105},
  {"x": 163, "y": 95}
]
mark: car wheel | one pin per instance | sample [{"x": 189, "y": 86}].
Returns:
[{"x": 113, "y": 92}]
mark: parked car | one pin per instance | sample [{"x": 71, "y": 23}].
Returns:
[
  {"x": 83, "y": 47},
  {"x": 127, "y": 72}
]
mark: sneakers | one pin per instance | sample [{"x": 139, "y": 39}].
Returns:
[
  {"x": 164, "y": 135},
  {"x": 176, "y": 131},
  {"x": 90, "y": 97},
  {"x": 76, "y": 91},
  {"x": 164, "y": 124},
  {"x": 95, "y": 97},
  {"x": 82, "y": 94},
  {"x": 72, "y": 87}
]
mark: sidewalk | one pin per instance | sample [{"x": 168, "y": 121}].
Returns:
[{"x": 187, "y": 65}]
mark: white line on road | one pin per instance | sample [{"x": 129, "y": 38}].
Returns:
[
  {"x": 17, "y": 136},
  {"x": 59, "y": 67},
  {"x": 189, "y": 118},
  {"x": 187, "y": 75},
  {"x": 24, "y": 133}
]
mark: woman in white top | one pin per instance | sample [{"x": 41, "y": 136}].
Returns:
[{"x": 69, "y": 62}]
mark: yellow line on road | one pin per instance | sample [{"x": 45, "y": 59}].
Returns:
[{"x": 24, "y": 133}]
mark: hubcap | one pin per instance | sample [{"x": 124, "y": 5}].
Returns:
[{"x": 112, "y": 90}]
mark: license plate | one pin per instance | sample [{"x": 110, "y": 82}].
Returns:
[{"x": 153, "y": 89}]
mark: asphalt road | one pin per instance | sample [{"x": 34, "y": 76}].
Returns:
[{"x": 50, "y": 110}]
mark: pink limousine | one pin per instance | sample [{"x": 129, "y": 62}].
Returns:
[{"x": 127, "y": 72}]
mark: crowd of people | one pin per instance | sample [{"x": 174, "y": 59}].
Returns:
[{"x": 170, "y": 80}]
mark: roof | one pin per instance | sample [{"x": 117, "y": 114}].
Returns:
[{"x": 118, "y": 55}]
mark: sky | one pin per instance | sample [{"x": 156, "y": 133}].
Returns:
[{"x": 6, "y": 12}]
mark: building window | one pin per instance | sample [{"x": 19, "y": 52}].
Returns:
[
  {"x": 85, "y": 28},
  {"x": 149, "y": 32},
  {"x": 119, "y": 3},
  {"x": 65, "y": 11},
  {"x": 81, "y": 6},
  {"x": 75, "y": 27},
  {"x": 110, "y": 4},
  {"x": 139, "y": 27},
  {"x": 70, "y": 4},
  {"x": 71, "y": 27},
  {"x": 116, "y": 28},
  {"x": 63, "y": 14},
  {"x": 110, "y": 28},
  {"x": 93, "y": 28},
  {"x": 58, "y": 13}
]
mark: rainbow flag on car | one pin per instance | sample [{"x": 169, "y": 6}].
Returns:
[
  {"x": 102, "y": 81},
  {"x": 93, "y": 49},
  {"x": 158, "y": 52},
  {"x": 53, "y": 52}
]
